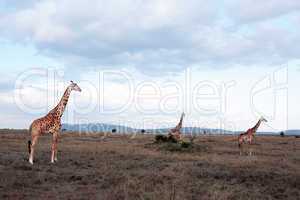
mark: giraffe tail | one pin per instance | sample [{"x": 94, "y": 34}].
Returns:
[{"x": 29, "y": 146}]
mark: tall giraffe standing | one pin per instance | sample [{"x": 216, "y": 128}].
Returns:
[
  {"x": 175, "y": 132},
  {"x": 247, "y": 137},
  {"x": 51, "y": 123}
]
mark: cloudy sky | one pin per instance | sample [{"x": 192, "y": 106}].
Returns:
[{"x": 141, "y": 63}]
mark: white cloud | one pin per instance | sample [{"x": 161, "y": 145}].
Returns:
[
  {"x": 255, "y": 10},
  {"x": 153, "y": 36}
]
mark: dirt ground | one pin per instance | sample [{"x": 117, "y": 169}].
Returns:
[{"x": 120, "y": 167}]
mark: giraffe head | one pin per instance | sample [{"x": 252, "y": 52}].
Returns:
[
  {"x": 263, "y": 119},
  {"x": 74, "y": 86}
]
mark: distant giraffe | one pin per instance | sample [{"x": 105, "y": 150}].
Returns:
[
  {"x": 175, "y": 132},
  {"x": 247, "y": 137},
  {"x": 51, "y": 123}
]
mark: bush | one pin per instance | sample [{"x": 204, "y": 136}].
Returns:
[
  {"x": 165, "y": 138},
  {"x": 282, "y": 134},
  {"x": 181, "y": 146},
  {"x": 161, "y": 138},
  {"x": 169, "y": 143},
  {"x": 185, "y": 144}
]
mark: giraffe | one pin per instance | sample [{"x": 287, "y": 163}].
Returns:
[
  {"x": 51, "y": 123},
  {"x": 175, "y": 132},
  {"x": 247, "y": 137}
]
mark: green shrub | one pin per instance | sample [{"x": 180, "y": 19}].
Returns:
[
  {"x": 169, "y": 143},
  {"x": 179, "y": 146},
  {"x": 165, "y": 138},
  {"x": 185, "y": 144}
]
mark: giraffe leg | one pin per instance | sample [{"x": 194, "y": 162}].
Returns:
[
  {"x": 55, "y": 155},
  {"x": 55, "y": 152},
  {"x": 240, "y": 142},
  {"x": 53, "y": 147},
  {"x": 251, "y": 152},
  {"x": 32, "y": 148},
  {"x": 241, "y": 150}
]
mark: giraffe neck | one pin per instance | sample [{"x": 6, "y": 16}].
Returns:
[
  {"x": 63, "y": 102},
  {"x": 254, "y": 129},
  {"x": 180, "y": 123}
]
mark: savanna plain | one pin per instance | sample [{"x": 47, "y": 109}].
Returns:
[{"x": 120, "y": 166}]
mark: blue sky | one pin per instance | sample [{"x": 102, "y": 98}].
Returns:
[{"x": 225, "y": 63}]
